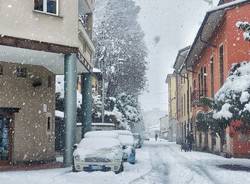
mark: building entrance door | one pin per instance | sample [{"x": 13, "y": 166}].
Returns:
[{"x": 5, "y": 138}]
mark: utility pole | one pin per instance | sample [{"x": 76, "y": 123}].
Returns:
[{"x": 103, "y": 90}]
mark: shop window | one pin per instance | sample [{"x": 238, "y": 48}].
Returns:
[
  {"x": 21, "y": 72},
  {"x": 46, "y": 6}
]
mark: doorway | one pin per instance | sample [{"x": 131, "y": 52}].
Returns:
[{"x": 6, "y": 130}]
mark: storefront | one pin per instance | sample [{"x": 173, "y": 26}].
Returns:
[{"x": 6, "y": 134}]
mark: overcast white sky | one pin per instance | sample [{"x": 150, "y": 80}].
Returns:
[{"x": 174, "y": 23}]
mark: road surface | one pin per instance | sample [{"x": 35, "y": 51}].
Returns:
[
  {"x": 171, "y": 166},
  {"x": 157, "y": 163}
]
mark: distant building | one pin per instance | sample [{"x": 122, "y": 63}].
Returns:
[
  {"x": 172, "y": 106},
  {"x": 164, "y": 127},
  {"x": 183, "y": 76}
]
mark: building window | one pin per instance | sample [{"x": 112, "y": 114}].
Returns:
[
  {"x": 21, "y": 72},
  {"x": 48, "y": 124},
  {"x": 47, "y": 6},
  {"x": 188, "y": 100},
  {"x": 212, "y": 76},
  {"x": 205, "y": 81},
  {"x": 184, "y": 105},
  {"x": 1, "y": 70},
  {"x": 221, "y": 62}
]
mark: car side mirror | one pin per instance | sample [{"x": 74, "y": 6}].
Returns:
[{"x": 75, "y": 146}]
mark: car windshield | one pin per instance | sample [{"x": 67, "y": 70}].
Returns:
[
  {"x": 125, "y": 91},
  {"x": 126, "y": 140}
]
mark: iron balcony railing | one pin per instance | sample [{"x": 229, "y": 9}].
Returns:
[{"x": 197, "y": 95}]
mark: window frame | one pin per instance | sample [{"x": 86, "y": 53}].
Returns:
[
  {"x": 212, "y": 75},
  {"x": 45, "y": 8},
  {"x": 221, "y": 59}
]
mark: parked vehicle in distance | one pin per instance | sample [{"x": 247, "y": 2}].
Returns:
[
  {"x": 128, "y": 144},
  {"x": 138, "y": 140},
  {"x": 146, "y": 136},
  {"x": 98, "y": 154}
]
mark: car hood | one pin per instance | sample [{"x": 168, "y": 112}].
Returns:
[{"x": 101, "y": 153}]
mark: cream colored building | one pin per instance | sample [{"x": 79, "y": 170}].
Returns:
[
  {"x": 183, "y": 96},
  {"x": 172, "y": 106},
  {"x": 38, "y": 40}
]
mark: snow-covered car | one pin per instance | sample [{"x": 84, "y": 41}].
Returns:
[
  {"x": 138, "y": 140},
  {"x": 127, "y": 140},
  {"x": 98, "y": 154},
  {"x": 108, "y": 134},
  {"x": 146, "y": 136}
]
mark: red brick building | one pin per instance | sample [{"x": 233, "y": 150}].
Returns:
[{"x": 218, "y": 44}]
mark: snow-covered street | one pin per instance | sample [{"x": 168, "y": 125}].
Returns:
[{"x": 158, "y": 163}]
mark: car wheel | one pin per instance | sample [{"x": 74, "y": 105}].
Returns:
[
  {"x": 73, "y": 167},
  {"x": 121, "y": 169}
]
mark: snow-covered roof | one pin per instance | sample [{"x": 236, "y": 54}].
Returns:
[
  {"x": 211, "y": 21},
  {"x": 179, "y": 61},
  {"x": 227, "y": 5}
]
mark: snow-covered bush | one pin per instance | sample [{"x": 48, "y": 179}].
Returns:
[
  {"x": 232, "y": 101},
  {"x": 245, "y": 26}
]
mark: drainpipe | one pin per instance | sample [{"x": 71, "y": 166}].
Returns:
[
  {"x": 70, "y": 82},
  {"x": 86, "y": 90}
]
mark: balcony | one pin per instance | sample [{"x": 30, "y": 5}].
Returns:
[{"x": 197, "y": 95}]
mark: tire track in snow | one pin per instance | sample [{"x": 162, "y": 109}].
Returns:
[
  {"x": 197, "y": 168},
  {"x": 159, "y": 172}
]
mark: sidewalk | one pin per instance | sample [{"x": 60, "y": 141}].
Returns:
[{"x": 34, "y": 166}]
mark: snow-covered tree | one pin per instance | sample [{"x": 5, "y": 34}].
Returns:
[
  {"x": 123, "y": 110},
  {"x": 244, "y": 26},
  {"x": 120, "y": 47},
  {"x": 121, "y": 52},
  {"x": 232, "y": 101},
  {"x": 129, "y": 108}
]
